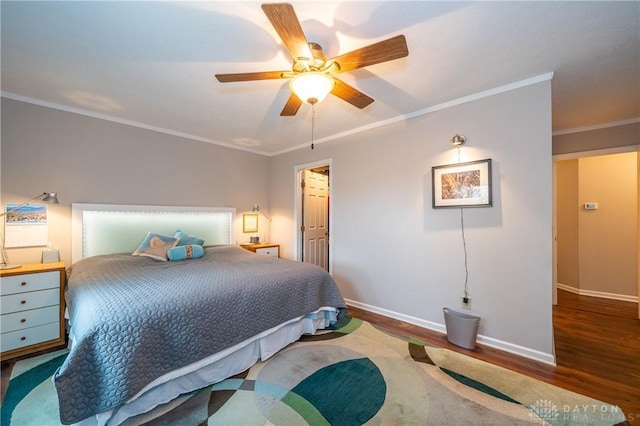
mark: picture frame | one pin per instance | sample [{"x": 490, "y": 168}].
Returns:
[
  {"x": 462, "y": 185},
  {"x": 25, "y": 225},
  {"x": 249, "y": 222}
]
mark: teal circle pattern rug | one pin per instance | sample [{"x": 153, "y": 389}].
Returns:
[{"x": 351, "y": 374}]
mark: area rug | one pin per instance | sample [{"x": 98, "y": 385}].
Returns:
[{"x": 354, "y": 374}]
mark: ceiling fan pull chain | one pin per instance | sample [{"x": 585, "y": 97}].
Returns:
[{"x": 313, "y": 122}]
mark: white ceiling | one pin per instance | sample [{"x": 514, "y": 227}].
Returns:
[{"x": 152, "y": 64}]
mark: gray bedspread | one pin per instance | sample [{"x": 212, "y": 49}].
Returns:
[{"x": 135, "y": 319}]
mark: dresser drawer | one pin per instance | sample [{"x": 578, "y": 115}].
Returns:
[
  {"x": 32, "y": 307},
  {"x": 29, "y": 282},
  {"x": 30, "y": 336},
  {"x": 268, "y": 251},
  {"x": 30, "y": 318},
  {"x": 29, "y": 300}
]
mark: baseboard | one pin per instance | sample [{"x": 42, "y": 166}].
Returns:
[
  {"x": 601, "y": 294},
  {"x": 440, "y": 328}
]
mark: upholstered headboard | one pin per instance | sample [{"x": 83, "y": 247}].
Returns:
[{"x": 116, "y": 228}]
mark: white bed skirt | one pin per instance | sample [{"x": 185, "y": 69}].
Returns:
[{"x": 164, "y": 392}]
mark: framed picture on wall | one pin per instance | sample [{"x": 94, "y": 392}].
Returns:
[
  {"x": 462, "y": 184},
  {"x": 25, "y": 225},
  {"x": 249, "y": 222}
]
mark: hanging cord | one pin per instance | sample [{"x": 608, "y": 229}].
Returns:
[
  {"x": 313, "y": 122},
  {"x": 464, "y": 246}
]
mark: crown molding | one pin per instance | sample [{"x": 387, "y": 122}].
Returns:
[{"x": 596, "y": 127}]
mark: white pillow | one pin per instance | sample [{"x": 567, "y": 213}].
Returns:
[{"x": 155, "y": 246}]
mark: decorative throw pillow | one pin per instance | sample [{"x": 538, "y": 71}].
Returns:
[
  {"x": 155, "y": 246},
  {"x": 185, "y": 252},
  {"x": 188, "y": 239}
]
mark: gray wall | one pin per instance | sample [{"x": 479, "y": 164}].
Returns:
[
  {"x": 95, "y": 161},
  {"x": 605, "y": 138},
  {"x": 394, "y": 254}
]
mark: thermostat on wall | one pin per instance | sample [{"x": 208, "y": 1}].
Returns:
[{"x": 590, "y": 206}]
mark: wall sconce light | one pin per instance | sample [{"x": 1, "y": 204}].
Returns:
[
  {"x": 49, "y": 197},
  {"x": 458, "y": 140}
]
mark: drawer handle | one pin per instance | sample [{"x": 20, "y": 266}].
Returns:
[
  {"x": 23, "y": 320},
  {"x": 23, "y": 283},
  {"x": 23, "y": 338},
  {"x": 23, "y": 302}
]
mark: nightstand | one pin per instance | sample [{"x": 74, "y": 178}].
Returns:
[
  {"x": 32, "y": 308},
  {"x": 265, "y": 249}
]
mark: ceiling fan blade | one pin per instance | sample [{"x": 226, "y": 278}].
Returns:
[
  {"x": 292, "y": 106},
  {"x": 350, "y": 94},
  {"x": 249, "y": 76},
  {"x": 387, "y": 50},
  {"x": 285, "y": 21}
]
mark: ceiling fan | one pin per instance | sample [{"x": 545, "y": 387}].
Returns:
[{"x": 311, "y": 63}]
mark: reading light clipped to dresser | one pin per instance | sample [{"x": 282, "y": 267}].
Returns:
[{"x": 32, "y": 302}]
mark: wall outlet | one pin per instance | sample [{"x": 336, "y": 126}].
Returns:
[{"x": 466, "y": 302}]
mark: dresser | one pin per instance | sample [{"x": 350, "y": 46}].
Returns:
[
  {"x": 265, "y": 249},
  {"x": 32, "y": 308}
]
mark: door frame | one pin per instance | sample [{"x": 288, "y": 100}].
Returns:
[
  {"x": 576, "y": 155},
  {"x": 297, "y": 207}
]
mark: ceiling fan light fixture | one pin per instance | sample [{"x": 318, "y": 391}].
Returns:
[{"x": 311, "y": 87}]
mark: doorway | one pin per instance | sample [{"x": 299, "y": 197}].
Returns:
[
  {"x": 313, "y": 218},
  {"x": 595, "y": 210}
]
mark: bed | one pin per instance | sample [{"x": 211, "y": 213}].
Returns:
[{"x": 143, "y": 331}]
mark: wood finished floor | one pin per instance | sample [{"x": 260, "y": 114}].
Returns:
[{"x": 597, "y": 350}]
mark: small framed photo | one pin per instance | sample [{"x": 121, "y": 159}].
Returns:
[
  {"x": 462, "y": 184},
  {"x": 249, "y": 222}
]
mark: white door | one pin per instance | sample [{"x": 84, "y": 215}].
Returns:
[{"x": 315, "y": 213}]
